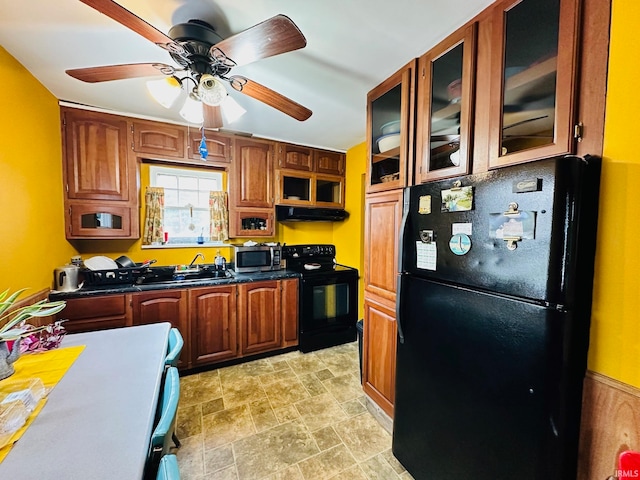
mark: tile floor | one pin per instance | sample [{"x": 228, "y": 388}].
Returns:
[{"x": 293, "y": 416}]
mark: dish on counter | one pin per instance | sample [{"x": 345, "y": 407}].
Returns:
[{"x": 100, "y": 262}]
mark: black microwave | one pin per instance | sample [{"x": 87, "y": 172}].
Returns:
[{"x": 257, "y": 258}]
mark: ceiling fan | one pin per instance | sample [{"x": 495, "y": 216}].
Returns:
[{"x": 205, "y": 59}]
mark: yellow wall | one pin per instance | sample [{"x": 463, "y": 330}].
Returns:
[
  {"x": 615, "y": 325},
  {"x": 32, "y": 224}
]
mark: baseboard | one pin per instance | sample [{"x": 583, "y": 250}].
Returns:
[
  {"x": 610, "y": 425},
  {"x": 380, "y": 415}
]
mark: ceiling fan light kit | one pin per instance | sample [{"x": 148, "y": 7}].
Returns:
[
  {"x": 191, "y": 111},
  {"x": 165, "y": 91},
  {"x": 206, "y": 59}
]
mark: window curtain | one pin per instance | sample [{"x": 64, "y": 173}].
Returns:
[
  {"x": 154, "y": 216},
  {"x": 219, "y": 230}
]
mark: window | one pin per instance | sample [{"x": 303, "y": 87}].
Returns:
[{"x": 186, "y": 201}]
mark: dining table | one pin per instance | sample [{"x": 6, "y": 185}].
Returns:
[{"x": 97, "y": 421}]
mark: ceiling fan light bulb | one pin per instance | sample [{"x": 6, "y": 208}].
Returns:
[
  {"x": 231, "y": 110},
  {"x": 191, "y": 111},
  {"x": 165, "y": 91},
  {"x": 211, "y": 90}
]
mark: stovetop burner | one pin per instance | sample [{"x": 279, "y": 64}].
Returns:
[{"x": 312, "y": 258}]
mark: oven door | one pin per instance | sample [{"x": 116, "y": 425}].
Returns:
[{"x": 328, "y": 309}]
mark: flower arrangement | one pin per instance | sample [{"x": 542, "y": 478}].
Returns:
[{"x": 13, "y": 324}]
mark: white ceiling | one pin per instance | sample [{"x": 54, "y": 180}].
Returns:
[{"x": 352, "y": 46}]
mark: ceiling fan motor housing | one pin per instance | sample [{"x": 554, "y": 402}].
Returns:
[{"x": 197, "y": 38}]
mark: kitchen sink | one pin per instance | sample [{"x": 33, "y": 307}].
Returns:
[{"x": 170, "y": 276}]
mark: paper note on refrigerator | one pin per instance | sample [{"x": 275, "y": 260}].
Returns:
[{"x": 426, "y": 255}]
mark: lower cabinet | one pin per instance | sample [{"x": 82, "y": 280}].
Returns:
[
  {"x": 95, "y": 313},
  {"x": 379, "y": 351},
  {"x": 217, "y": 323},
  {"x": 259, "y": 308},
  {"x": 164, "y": 306},
  {"x": 214, "y": 324}
]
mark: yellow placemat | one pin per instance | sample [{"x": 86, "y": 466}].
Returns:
[{"x": 50, "y": 367}]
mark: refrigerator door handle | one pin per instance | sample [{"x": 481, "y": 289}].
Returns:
[
  {"x": 403, "y": 227},
  {"x": 398, "y": 309},
  {"x": 401, "y": 266}
]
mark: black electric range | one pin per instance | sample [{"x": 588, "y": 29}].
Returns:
[{"x": 328, "y": 297}]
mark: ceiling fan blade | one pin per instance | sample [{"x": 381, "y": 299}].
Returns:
[
  {"x": 272, "y": 37},
  {"x": 119, "y": 72},
  {"x": 133, "y": 22},
  {"x": 212, "y": 116},
  {"x": 271, "y": 98}
]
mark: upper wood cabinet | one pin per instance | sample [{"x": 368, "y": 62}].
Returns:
[
  {"x": 251, "y": 208},
  {"x": 533, "y": 78},
  {"x": 158, "y": 139},
  {"x": 96, "y": 156},
  {"x": 331, "y": 163},
  {"x": 390, "y": 130},
  {"x": 100, "y": 176},
  {"x": 295, "y": 157},
  {"x": 446, "y": 80},
  {"x": 252, "y": 172},
  {"x": 218, "y": 146}
]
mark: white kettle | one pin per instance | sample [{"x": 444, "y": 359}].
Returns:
[{"x": 66, "y": 278}]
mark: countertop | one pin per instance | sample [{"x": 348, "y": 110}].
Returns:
[{"x": 92, "y": 290}]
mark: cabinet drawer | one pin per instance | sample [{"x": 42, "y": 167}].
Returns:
[{"x": 95, "y": 313}]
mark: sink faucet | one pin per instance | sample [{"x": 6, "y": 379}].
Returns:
[{"x": 195, "y": 258}]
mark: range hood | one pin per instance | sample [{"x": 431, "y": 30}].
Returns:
[{"x": 286, "y": 213}]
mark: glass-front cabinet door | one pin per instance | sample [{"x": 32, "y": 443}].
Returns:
[
  {"x": 390, "y": 130},
  {"x": 534, "y": 64},
  {"x": 445, "y": 106}
]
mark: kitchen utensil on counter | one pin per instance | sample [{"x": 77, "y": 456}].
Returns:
[
  {"x": 66, "y": 278},
  {"x": 146, "y": 263},
  {"x": 125, "y": 262}
]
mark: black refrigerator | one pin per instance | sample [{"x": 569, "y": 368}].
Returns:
[{"x": 493, "y": 310}]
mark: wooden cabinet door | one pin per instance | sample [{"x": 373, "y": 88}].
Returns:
[
  {"x": 159, "y": 140},
  {"x": 289, "y": 312},
  {"x": 446, "y": 77},
  {"x": 252, "y": 174},
  {"x": 533, "y": 77},
  {"x": 218, "y": 146},
  {"x": 96, "y": 163},
  {"x": 379, "y": 352},
  {"x": 92, "y": 220},
  {"x": 383, "y": 214},
  {"x": 213, "y": 324},
  {"x": 332, "y": 163},
  {"x": 164, "y": 306},
  {"x": 390, "y": 131},
  {"x": 259, "y": 313},
  {"x": 295, "y": 157},
  {"x": 95, "y": 313}
]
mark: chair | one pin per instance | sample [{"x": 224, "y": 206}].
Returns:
[
  {"x": 175, "y": 348},
  {"x": 162, "y": 434},
  {"x": 168, "y": 469},
  {"x": 171, "y": 360}
]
